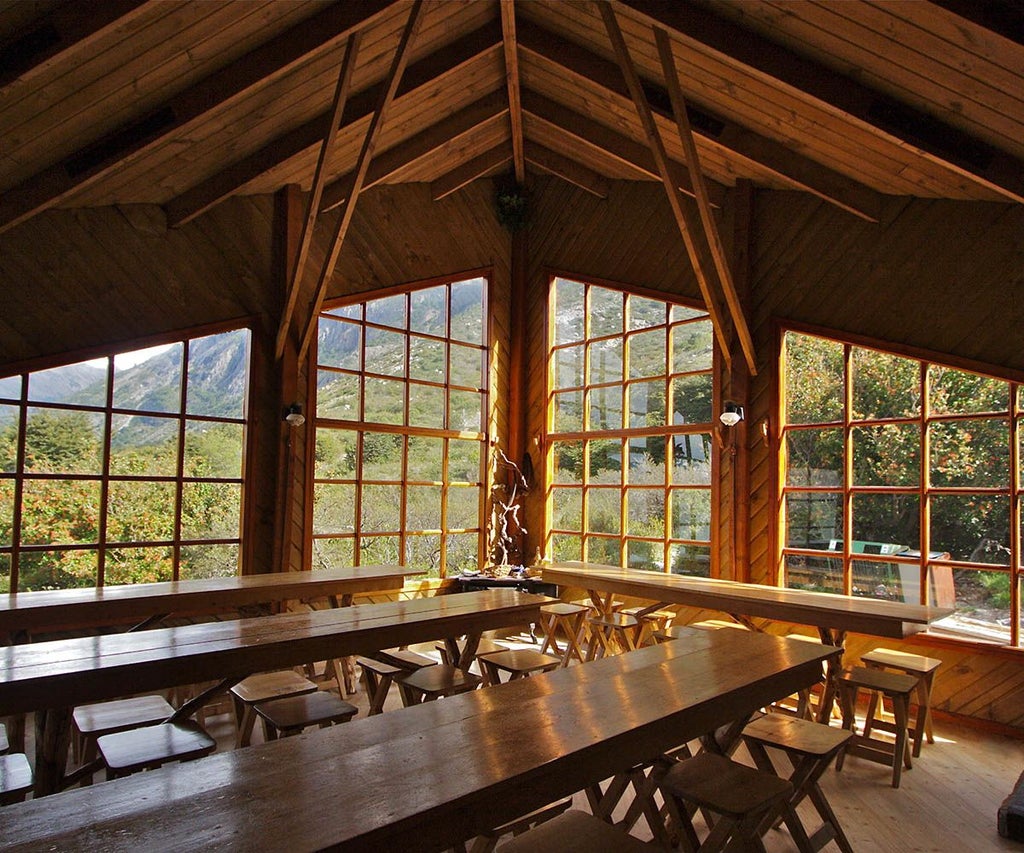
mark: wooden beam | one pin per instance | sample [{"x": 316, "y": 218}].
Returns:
[
  {"x": 458, "y": 177},
  {"x": 83, "y": 168},
  {"x": 515, "y": 111},
  {"x": 427, "y": 72},
  {"x": 398, "y": 64},
  {"x": 707, "y": 218},
  {"x": 72, "y": 27},
  {"x": 686, "y": 218},
  {"x": 348, "y": 64},
  {"x": 423, "y": 144},
  {"x": 1003, "y": 17},
  {"x": 803, "y": 173},
  {"x": 567, "y": 169},
  {"x": 904, "y": 125}
]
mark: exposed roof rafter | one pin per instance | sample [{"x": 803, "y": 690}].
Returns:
[
  {"x": 567, "y": 169},
  {"x": 515, "y": 110},
  {"x": 466, "y": 173}
]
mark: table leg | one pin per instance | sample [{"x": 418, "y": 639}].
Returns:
[
  {"x": 53, "y": 737},
  {"x": 833, "y": 667}
]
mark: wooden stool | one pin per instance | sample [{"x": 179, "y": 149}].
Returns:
[
  {"x": 895, "y": 686},
  {"x": 656, "y": 620},
  {"x": 575, "y": 832},
  {"x": 810, "y": 748},
  {"x": 674, "y": 632},
  {"x": 923, "y": 669},
  {"x": 289, "y": 716},
  {"x": 15, "y": 777},
  {"x": 516, "y": 663},
  {"x": 263, "y": 687},
  {"x": 570, "y": 619},
  {"x": 611, "y": 634},
  {"x": 742, "y": 797},
  {"x": 403, "y": 659},
  {"x": 379, "y": 675},
  {"x": 433, "y": 682},
  {"x": 152, "y": 746},
  {"x": 104, "y": 718},
  {"x": 486, "y": 842}
]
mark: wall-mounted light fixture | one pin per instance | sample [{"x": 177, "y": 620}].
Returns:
[
  {"x": 293, "y": 415},
  {"x": 732, "y": 414}
]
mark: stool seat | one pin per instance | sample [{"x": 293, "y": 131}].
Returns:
[
  {"x": 433, "y": 682},
  {"x": 924, "y": 669},
  {"x": 379, "y": 677},
  {"x": 674, "y": 632},
  {"x": 105, "y": 718},
  {"x": 516, "y": 663},
  {"x": 403, "y": 659},
  {"x": 654, "y": 620},
  {"x": 611, "y": 633},
  {"x": 150, "y": 747},
  {"x": 569, "y": 618},
  {"x": 486, "y": 842},
  {"x": 575, "y": 832},
  {"x": 15, "y": 777},
  {"x": 263, "y": 687},
  {"x": 289, "y": 716}
]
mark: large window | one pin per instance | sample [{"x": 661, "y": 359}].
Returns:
[
  {"x": 401, "y": 440},
  {"x": 124, "y": 469},
  {"x": 902, "y": 482},
  {"x": 629, "y": 430}
]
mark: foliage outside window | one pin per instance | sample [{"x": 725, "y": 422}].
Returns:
[
  {"x": 125, "y": 469},
  {"x": 918, "y": 466},
  {"x": 629, "y": 430},
  {"x": 401, "y": 441}
]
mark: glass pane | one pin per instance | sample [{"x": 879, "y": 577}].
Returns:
[
  {"x": 333, "y": 553},
  {"x": 646, "y": 312},
  {"x": 140, "y": 511},
  {"x": 389, "y": 311},
  {"x": 213, "y": 450},
  {"x": 57, "y": 570},
  {"x": 218, "y": 374},
  {"x": 691, "y": 514},
  {"x": 337, "y": 395},
  {"x": 680, "y": 313},
  {"x": 427, "y": 360},
  {"x": 335, "y": 453},
  {"x": 568, "y": 411},
  {"x": 10, "y": 387},
  {"x": 381, "y": 509},
  {"x": 426, "y": 456},
  {"x": 645, "y": 513},
  {"x": 466, "y": 366},
  {"x": 884, "y": 581},
  {"x": 6, "y": 512},
  {"x": 604, "y": 509},
  {"x": 423, "y": 508},
  {"x": 382, "y": 456},
  {"x": 465, "y": 411},
  {"x": 814, "y": 457},
  {"x": 818, "y": 574},
  {"x": 971, "y": 527},
  {"x": 605, "y": 462},
  {"x": 138, "y": 565},
  {"x": 603, "y": 550},
  {"x": 566, "y": 547},
  {"x": 885, "y": 386},
  {"x": 462, "y": 553},
  {"x": 60, "y": 512},
  {"x": 567, "y": 509},
  {"x": 426, "y": 406},
  {"x": 334, "y": 508},
  {"x": 568, "y": 311},
  {"x": 424, "y": 553},
  {"x": 606, "y": 361},
  {"x": 970, "y": 453},
  {"x": 9, "y": 437},
  {"x": 982, "y": 606},
  {"x": 467, "y": 310},
  {"x": 63, "y": 442},
  {"x": 568, "y": 461},
  {"x": 814, "y": 379},
  {"x": 692, "y": 347},
  {"x": 568, "y": 367},
  {"x": 691, "y": 459},
  {"x": 5, "y": 574},
  {"x": 385, "y": 352},
  {"x": 887, "y": 455},
  {"x": 691, "y": 399},
  {"x": 149, "y": 380},
  {"x": 606, "y": 312},
  {"x": 339, "y": 344},
  {"x": 693, "y": 560},
  {"x": 377, "y": 550},
  {"x": 886, "y": 524},
  {"x": 647, "y": 461},
  {"x": 647, "y": 404},
  {"x": 647, "y": 354},
  {"x": 648, "y": 556},
  {"x": 606, "y": 408},
  {"x": 384, "y": 400},
  {"x": 958, "y": 392},
  {"x": 351, "y": 312},
  {"x": 84, "y": 384},
  {"x": 144, "y": 446},
  {"x": 429, "y": 310},
  {"x": 210, "y": 510},
  {"x": 464, "y": 461},
  {"x": 814, "y": 520},
  {"x": 463, "y": 508}
]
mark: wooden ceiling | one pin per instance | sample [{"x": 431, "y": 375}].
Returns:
[{"x": 183, "y": 104}]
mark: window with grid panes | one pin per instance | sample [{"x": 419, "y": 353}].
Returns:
[
  {"x": 401, "y": 440},
  {"x": 921, "y": 463},
  {"x": 629, "y": 430}
]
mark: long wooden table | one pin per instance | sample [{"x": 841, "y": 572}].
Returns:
[
  {"x": 52, "y": 677},
  {"x": 426, "y": 777}
]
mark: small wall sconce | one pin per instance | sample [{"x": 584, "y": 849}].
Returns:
[
  {"x": 293, "y": 415},
  {"x": 732, "y": 414}
]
